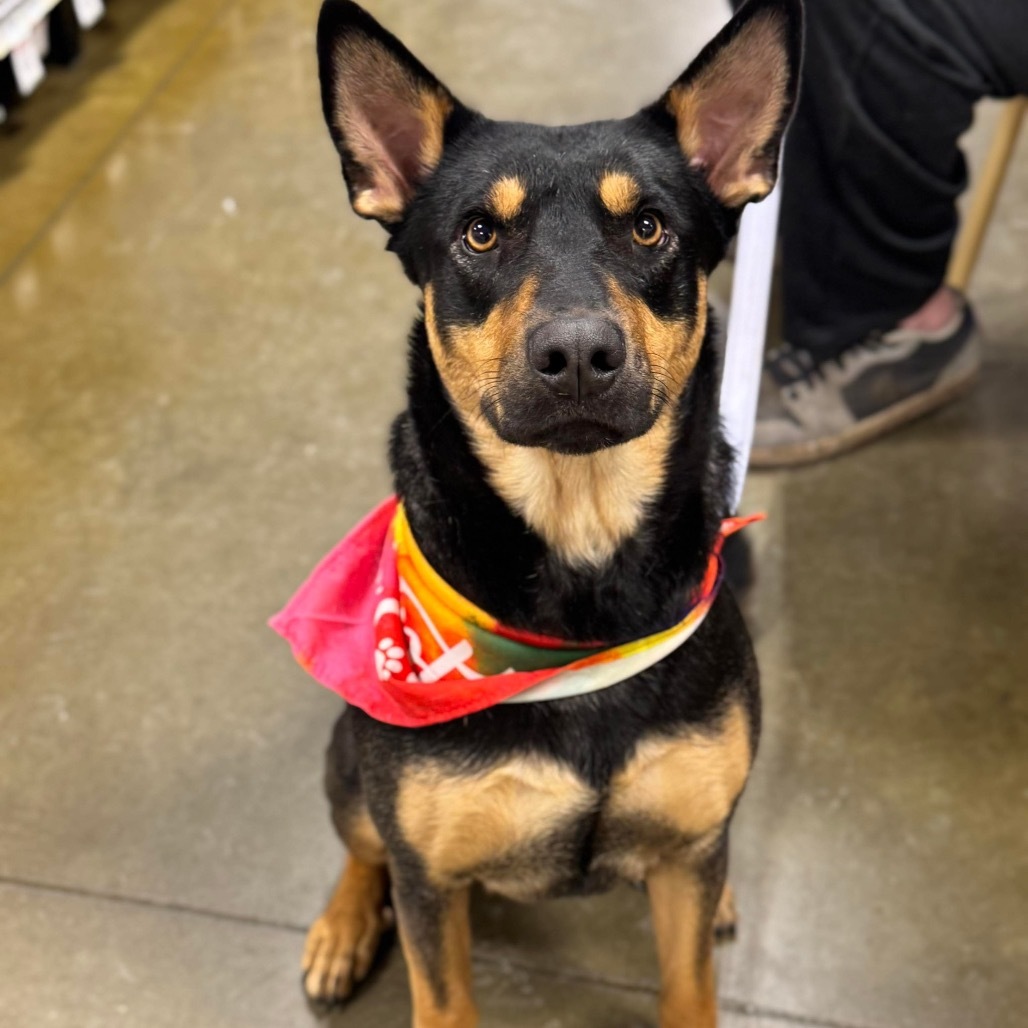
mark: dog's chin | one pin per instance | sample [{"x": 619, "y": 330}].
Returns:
[
  {"x": 577, "y": 438},
  {"x": 571, "y": 436}
]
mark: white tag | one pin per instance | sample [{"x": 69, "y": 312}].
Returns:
[
  {"x": 27, "y": 66},
  {"x": 41, "y": 37},
  {"x": 88, "y": 12}
]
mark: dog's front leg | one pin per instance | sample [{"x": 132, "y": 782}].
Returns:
[
  {"x": 683, "y": 899},
  {"x": 435, "y": 933}
]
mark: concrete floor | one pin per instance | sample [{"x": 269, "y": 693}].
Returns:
[{"x": 201, "y": 349}]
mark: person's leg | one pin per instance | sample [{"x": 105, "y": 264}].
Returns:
[{"x": 872, "y": 174}]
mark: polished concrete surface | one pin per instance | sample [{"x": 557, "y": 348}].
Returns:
[{"x": 200, "y": 348}]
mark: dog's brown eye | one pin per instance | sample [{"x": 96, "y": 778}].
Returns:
[
  {"x": 648, "y": 229},
  {"x": 480, "y": 235}
]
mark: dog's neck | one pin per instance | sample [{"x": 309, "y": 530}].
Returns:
[
  {"x": 583, "y": 507},
  {"x": 603, "y": 546}
]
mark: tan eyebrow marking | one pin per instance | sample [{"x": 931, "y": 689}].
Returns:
[
  {"x": 619, "y": 192},
  {"x": 506, "y": 197}
]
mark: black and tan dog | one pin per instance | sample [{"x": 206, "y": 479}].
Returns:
[{"x": 561, "y": 466}]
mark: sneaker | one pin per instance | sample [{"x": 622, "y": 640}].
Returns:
[{"x": 810, "y": 410}]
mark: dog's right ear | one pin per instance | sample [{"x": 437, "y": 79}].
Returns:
[{"x": 386, "y": 112}]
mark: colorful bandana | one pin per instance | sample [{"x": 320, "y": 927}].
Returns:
[{"x": 375, "y": 623}]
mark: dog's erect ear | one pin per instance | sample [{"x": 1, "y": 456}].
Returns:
[
  {"x": 734, "y": 101},
  {"x": 386, "y": 111}
]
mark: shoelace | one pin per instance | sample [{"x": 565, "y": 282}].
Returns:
[{"x": 790, "y": 365}]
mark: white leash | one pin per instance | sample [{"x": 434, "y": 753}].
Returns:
[{"x": 747, "y": 330}]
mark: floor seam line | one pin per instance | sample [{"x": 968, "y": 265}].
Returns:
[
  {"x": 729, "y": 1003},
  {"x": 150, "y": 904},
  {"x": 491, "y": 958},
  {"x": 567, "y": 974},
  {"x": 90, "y": 173},
  {"x": 746, "y": 1009}
]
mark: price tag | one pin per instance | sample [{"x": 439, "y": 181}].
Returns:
[
  {"x": 27, "y": 66},
  {"x": 88, "y": 12}
]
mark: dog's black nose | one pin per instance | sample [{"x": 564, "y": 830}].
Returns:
[{"x": 577, "y": 357}]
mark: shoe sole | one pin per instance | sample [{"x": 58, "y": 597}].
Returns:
[{"x": 794, "y": 454}]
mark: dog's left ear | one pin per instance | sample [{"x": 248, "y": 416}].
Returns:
[
  {"x": 732, "y": 104},
  {"x": 386, "y": 112}
]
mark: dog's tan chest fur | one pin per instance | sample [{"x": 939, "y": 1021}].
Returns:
[
  {"x": 585, "y": 507},
  {"x": 475, "y": 826},
  {"x": 518, "y": 826}
]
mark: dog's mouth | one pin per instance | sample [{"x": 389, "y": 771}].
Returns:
[
  {"x": 577, "y": 437},
  {"x": 572, "y": 428}
]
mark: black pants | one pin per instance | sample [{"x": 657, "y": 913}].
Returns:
[{"x": 872, "y": 168}]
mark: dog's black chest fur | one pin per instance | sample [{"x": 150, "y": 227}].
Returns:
[{"x": 593, "y": 736}]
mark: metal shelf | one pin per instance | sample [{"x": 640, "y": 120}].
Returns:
[
  {"x": 18, "y": 18},
  {"x": 29, "y": 36}
]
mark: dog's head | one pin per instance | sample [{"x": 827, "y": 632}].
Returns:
[{"x": 563, "y": 269}]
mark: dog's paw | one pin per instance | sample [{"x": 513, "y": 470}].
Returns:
[
  {"x": 726, "y": 919},
  {"x": 341, "y": 947}
]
